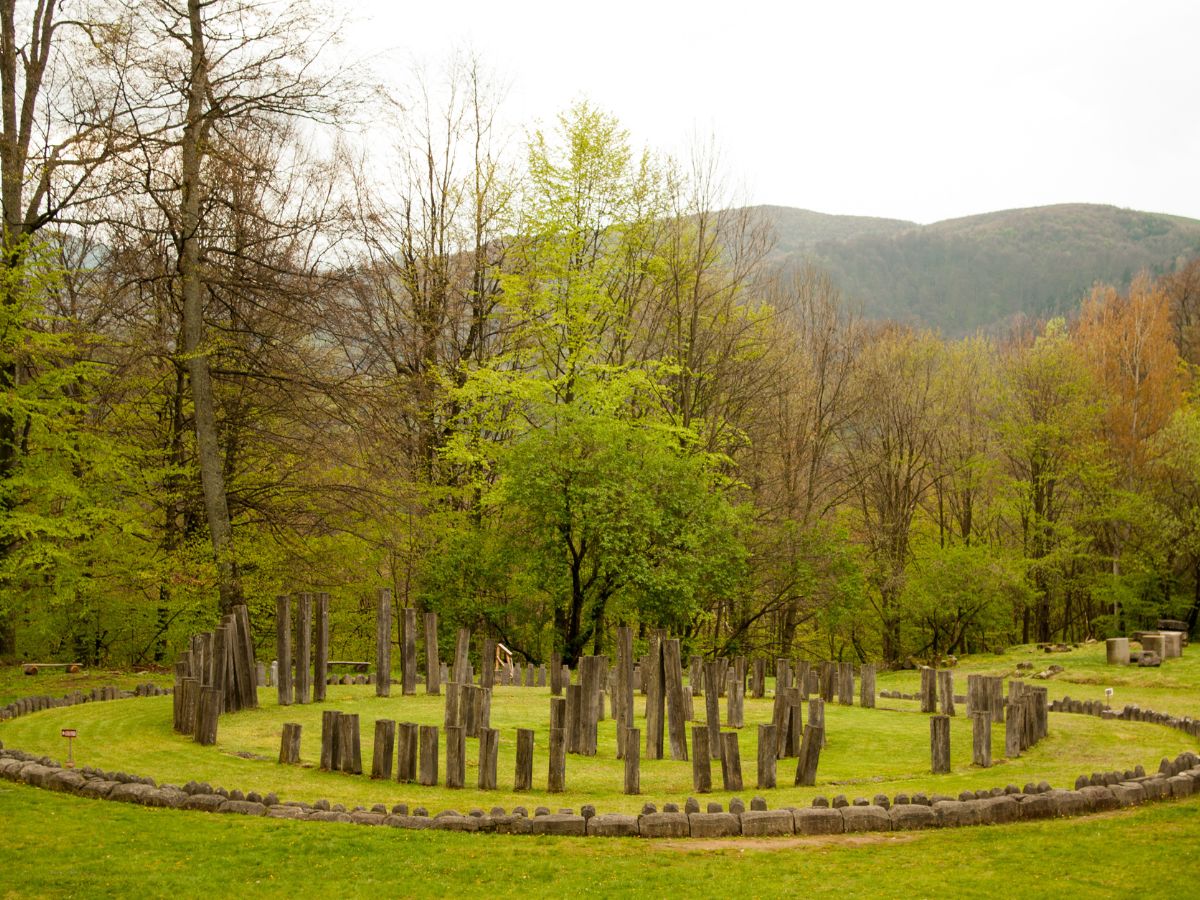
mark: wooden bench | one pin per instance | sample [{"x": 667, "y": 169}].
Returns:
[
  {"x": 32, "y": 668},
  {"x": 354, "y": 665}
]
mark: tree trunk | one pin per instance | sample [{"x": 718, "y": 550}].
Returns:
[{"x": 212, "y": 475}]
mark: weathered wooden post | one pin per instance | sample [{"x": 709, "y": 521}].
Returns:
[
  {"x": 407, "y": 740},
  {"x": 433, "y": 666},
  {"x": 829, "y": 680},
  {"x": 779, "y": 716},
  {"x": 672, "y": 664},
  {"x": 981, "y": 744},
  {"x": 803, "y": 677},
  {"x": 385, "y": 742},
  {"x": 866, "y": 695},
  {"x": 487, "y": 664},
  {"x": 289, "y": 746},
  {"x": 523, "y": 779},
  {"x": 701, "y": 764},
  {"x": 696, "y": 676},
  {"x": 207, "y": 715},
  {"x": 731, "y": 761},
  {"x": 810, "y": 755},
  {"x": 556, "y": 679},
  {"x": 557, "y": 777},
  {"x": 996, "y": 698},
  {"x": 331, "y": 750},
  {"x": 462, "y": 662},
  {"x": 766, "y": 756},
  {"x": 816, "y": 716},
  {"x": 573, "y": 726},
  {"x": 350, "y": 744},
  {"x": 939, "y": 744},
  {"x": 735, "y": 700},
  {"x": 303, "y": 648},
  {"x": 655, "y": 686},
  {"x": 846, "y": 684},
  {"x": 623, "y": 696},
  {"x": 945, "y": 682},
  {"x": 714, "y": 672},
  {"x": 408, "y": 652},
  {"x": 633, "y": 761},
  {"x": 489, "y": 748},
  {"x": 589, "y": 703},
  {"x": 283, "y": 647},
  {"x": 429, "y": 755},
  {"x": 383, "y": 643},
  {"x": 758, "y": 684},
  {"x": 321, "y": 650},
  {"x": 928, "y": 690}
]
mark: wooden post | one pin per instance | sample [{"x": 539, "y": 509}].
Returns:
[
  {"x": 633, "y": 759},
  {"x": 245, "y": 646},
  {"x": 996, "y": 698},
  {"x": 735, "y": 694},
  {"x": 803, "y": 675},
  {"x": 701, "y": 765},
  {"x": 385, "y": 743},
  {"x": 468, "y": 711},
  {"x": 573, "y": 725},
  {"x": 928, "y": 690},
  {"x": 713, "y": 675},
  {"x": 489, "y": 748},
  {"x": 866, "y": 693},
  {"x": 283, "y": 647},
  {"x": 557, "y": 778},
  {"x": 408, "y": 653},
  {"x": 558, "y": 712},
  {"x": 206, "y": 719},
  {"x": 589, "y": 700},
  {"x": 462, "y": 662},
  {"x": 810, "y": 755},
  {"x": 289, "y": 746},
  {"x": 452, "y": 715},
  {"x": 816, "y": 716},
  {"x": 429, "y": 755},
  {"x": 1013, "y": 721},
  {"x": 456, "y": 756},
  {"x": 731, "y": 761},
  {"x": 523, "y": 779},
  {"x": 981, "y": 744},
  {"x": 779, "y": 716},
  {"x": 672, "y": 664},
  {"x": 407, "y": 739},
  {"x": 303, "y": 648},
  {"x": 623, "y": 696},
  {"x": 383, "y": 643},
  {"x": 556, "y": 679},
  {"x": 321, "y": 654},
  {"x": 829, "y": 680},
  {"x": 350, "y": 744},
  {"x": 331, "y": 750},
  {"x": 189, "y": 705},
  {"x": 655, "y": 686},
  {"x": 487, "y": 664},
  {"x": 766, "y": 754},
  {"x": 945, "y": 682},
  {"x": 939, "y": 744},
  {"x": 846, "y": 684},
  {"x": 696, "y": 676},
  {"x": 758, "y": 684},
  {"x": 433, "y": 667}
]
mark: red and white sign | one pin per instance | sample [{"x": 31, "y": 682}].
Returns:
[{"x": 69, "y": 732}]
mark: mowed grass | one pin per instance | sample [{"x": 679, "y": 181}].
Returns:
[
  {"x": 885, "y": 750},
  {"x": 55, "y": 846}
]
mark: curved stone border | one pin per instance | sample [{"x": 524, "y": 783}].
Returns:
[
  {"x": 37, "y": 703},
  {"x": 1099, "y": 792}
]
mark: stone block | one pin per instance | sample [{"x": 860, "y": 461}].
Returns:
[
  {"x": 558, "y": 824},
  {"x": 244, "y": 808},
  {"x": 957, "y": 813},
  {"x": 715, "y": 825},
  {"x": 413, "y": 823},
  {"x": 613, "y": 825},
  {"x": 1099, "y": 798},
  {"x": 999, "y": 810},
  {"x": 818, "y": 820},
  {"x": 1181, "y": 785},
  {"x": 669, "y": 825},
  {"x": 767, "y": 822},
  {"x": 865, "y": 818},
  {"x": 909, "y": 817},
  {"x": 1067, "y": 803},
  {"x": 203, "y": 802}
]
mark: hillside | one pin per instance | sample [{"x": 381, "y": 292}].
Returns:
[{"x": 960, "y": 275}]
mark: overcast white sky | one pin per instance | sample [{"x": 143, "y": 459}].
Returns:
[{"x": 914, "y": 110}]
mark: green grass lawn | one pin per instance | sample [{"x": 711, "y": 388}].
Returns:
[{"x": 54, "y": 845}]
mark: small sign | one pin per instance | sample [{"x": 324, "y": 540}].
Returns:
[{"x": 69, "y": 733}]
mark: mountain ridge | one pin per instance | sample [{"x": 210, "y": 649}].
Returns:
[{"x": 976, "y": 272}]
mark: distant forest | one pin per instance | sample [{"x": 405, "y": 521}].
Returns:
[{"x": 546, "y": 386}]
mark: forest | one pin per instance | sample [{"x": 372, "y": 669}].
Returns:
[{"x": 543, "y": 382}]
